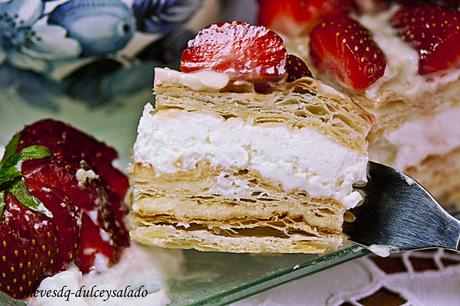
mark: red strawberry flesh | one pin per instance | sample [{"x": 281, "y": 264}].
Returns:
[
  {"x": 242, "y": 50},
  {"x": 434, "y": 32},
  {"x": 344, "y": 49},
  {"x": 91, "y": 244},
  {"x": 70, "y": 144},
  {"x": 292, "y": 17}
]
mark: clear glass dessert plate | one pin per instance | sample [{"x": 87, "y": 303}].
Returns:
[{"x": 222, "y": 278}]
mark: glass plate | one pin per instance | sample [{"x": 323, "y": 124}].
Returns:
[{"x": 222, "y": 278}]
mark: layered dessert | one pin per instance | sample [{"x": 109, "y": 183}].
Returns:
[
  {"x": 397, "y": 59},
  {"x": 244, "y": 151}
]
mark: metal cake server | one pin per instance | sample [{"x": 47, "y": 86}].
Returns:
[{"x": 399, "y": 213}]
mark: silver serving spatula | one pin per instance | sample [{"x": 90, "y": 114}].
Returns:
[{"x": 399, "y": 213}]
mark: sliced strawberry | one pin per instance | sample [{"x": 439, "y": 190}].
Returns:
[
  {"x": 81, "y": 213},
  {"x": 434, "y": 32},
  {"x": 344, "y": 49},
  {"x": 92, "y": 243},
  {"x": 292, "y": 17},
  {"x": 296, "y": 68},
  {"x": 28, "y": 248},
  {"x": 91, "y": 197},
  {"x": 101, "y": 198},
  {"x": 239, "y": 49}
]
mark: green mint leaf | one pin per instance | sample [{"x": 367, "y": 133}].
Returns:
[
  {"x": 10, "y": 149},
  {"x": 28, "y": 153},
  {"x": 8, "y": 175},
  {"x": 22, "y": 194},
  {"x": 34, "y": 152},
  {"x": 5, "y": 300},
  {"x": 2, "y": 202}
]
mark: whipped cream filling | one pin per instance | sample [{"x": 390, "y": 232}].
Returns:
[
  {"x": 143, "y": 269},
  {"x": 415, "y": 140},
  {"x": 173, "y": 140},
  {"x": 201, "y": 80},
  {"x": 401, "y": 73}
]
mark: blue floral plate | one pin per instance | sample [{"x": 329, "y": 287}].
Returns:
[{"x": 90, "y": 62}]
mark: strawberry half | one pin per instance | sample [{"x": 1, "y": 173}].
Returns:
[
  {"x": 434, "y": 32},
  {"x": 239, "y": 49},
  {"x": 292, "y": 17},
  {"x": 296, "y": 68},
  {"x": 343, "y": 48}
]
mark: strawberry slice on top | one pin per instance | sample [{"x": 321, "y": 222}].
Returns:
[
  {"x": 239, "y": 49},
  {"x": 342, "y": 48},
  {"x": 293, "y": 17},
  {"x": 434, "y": 32}
]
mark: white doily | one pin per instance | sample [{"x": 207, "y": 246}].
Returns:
[{"x": 413, "y": 278}]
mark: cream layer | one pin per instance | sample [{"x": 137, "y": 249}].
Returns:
[
  {"x": 415, "y": 140},
  {"x": 174, "y": 140}
]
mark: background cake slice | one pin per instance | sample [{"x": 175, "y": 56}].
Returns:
[
  {"x": 401, "y": 63},
  {"x": 219, "y": 166}
]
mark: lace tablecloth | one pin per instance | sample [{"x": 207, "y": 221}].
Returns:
[{"x": 413, "y": 278}]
